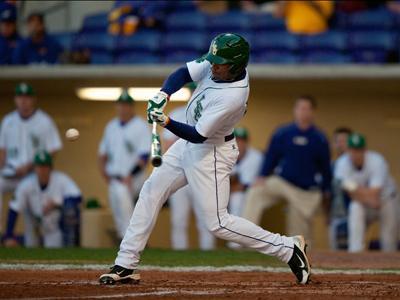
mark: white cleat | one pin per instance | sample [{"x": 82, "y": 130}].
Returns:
[
  {"x": 120, "y": 274},
  {"x": 299, "y": 263}
]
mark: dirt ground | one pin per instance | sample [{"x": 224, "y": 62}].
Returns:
[{"x": 74, "y": 284}]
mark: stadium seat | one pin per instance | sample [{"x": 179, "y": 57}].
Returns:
[
  {"x": 278, "y": 57},
  {"x": 185, "y": 21},
  {"x": 326, "y": 58},
  {"x": 181, "y": 56},
  {"x": 329, "y": 41},
  {"x": 101, "y": 58},
  {"x": 185, "y": 42},
  {"x": 137, "y": 58},
  {"x": 95, "y": 41},
  {"x": 378, "y": 19},
  {"x": 284, "y": 41},
  {"x": 228, "y": 22},
  {"x": 65, "y": 39},
  {"x": 262, "y": 22},
  {"x": 95, "y": 23},
  {"x": 369, "y": 56},
  {"x": 372, "y": 41},
  {"x": 141, "y": 41}
]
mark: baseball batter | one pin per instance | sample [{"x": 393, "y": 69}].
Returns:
[
  {"x": 365, "y": 176},
  {"x": 41, "y": 197},
  {"x": 203, "y": 158},
  {"x": 182, "y": 201},
  {"x": 23, "y": 132},
  {"x": 123, "y": 155},
  {"x": 244, "y": 173}
]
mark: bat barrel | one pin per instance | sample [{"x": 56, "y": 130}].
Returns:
[{"x": 156, "y": 157}]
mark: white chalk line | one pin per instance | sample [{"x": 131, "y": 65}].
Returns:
[{"x": 239, "y": 268}]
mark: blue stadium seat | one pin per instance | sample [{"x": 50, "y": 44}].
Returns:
[
  {"x": 148, "y": 41},
  {"x": 378, "y": 19},
  {"x": 95, "y": 23},
  {"x": 181, "y": 56},
  {"x": 186, "y": 21},
  {"x": 260, "y": 22},
  {"x": 137, "y": 58},
  {"x": 185, "y": 41},
  {"x": 228, "y": 22},
  {"x": 65, "y": 39},
  {"x": 326, "y": 58},
  {"x": 265, "y": 41},
  {"x": 332, "y": 40},
  {"x": 96, "y": 41},
  {"x": 275, "y": 58},
  {"x": 372, "y": 41},
  {"x": 369, "y": 56},
  {"x": 101, "y": 58}
]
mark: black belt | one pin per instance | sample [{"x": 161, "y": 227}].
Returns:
[{"x": 229, "y": 137}]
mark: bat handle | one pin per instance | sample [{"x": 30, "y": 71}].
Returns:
[{"x": 154, "y": 131}]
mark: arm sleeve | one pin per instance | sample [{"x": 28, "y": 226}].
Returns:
[
  {"x": 325, "y": 166},
  {"x": 198, "y": 69},
  {"x": 379, "y": 174},
  {"x": 53, "y": 141},
  {"x": 144, "y": 143},
  {"x": 2, "y": 136},
  {"x": 272, "y": 156},
  {"x": 185, "y": 131},
  {"x": 176, "y": 80},
  {"x": 341, "y": 170},
  {"x": 103, "y": 144}
]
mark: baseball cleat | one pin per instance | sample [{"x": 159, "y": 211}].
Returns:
[
  {"x": 299, "y": 263},
  {"x": 119, "y": 274}
]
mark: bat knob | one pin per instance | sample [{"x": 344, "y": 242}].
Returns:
[{"x": 156, "y": 161}]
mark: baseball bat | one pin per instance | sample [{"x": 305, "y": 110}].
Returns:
[{"x": 156, "y": 158}]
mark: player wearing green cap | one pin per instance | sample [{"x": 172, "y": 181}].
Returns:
[
  {"x": 203, "y": 158},
  {"x": 22, "y": 133},
  {"x": 46, "y": 197},
  {"x": 365, "y": 176},
  {"x": 123, "y": 155}
]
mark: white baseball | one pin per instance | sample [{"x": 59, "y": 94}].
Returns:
[{"x": 72, "y": 134}]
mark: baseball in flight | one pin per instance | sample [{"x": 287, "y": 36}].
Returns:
[{"x": 72, "y": 134}]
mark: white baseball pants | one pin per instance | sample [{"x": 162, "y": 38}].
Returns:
[{"x": 206, "y": 168}]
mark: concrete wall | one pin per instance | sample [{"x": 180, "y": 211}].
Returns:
[{"x": 368, "y": 106}]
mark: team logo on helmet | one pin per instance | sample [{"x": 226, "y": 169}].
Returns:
[{"x": 214, "y": 48}]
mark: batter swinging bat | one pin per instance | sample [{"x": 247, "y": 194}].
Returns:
[{"x": 156, "y": 158}]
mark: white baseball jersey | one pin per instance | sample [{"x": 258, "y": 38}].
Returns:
[
  {"x": 215, "y": 108},
  {"x": 374, "y": 173},
  {"x": 249, "y": 166},
  {"x": 124, "y": 144},
  {"x": 22, "y": 138},
  {"x": 178, "y": 114}
]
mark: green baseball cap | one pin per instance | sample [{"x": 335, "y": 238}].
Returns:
[
  {"x": 125, "y": 97},
  {"x": 24, "y": 89},
  {"x": 241, "y": 132},
  {"x": 356, "y": 141},
  {"x": 43, "y": 158}
]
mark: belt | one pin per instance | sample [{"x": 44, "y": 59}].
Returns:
[{"x": 229, "y": 137}]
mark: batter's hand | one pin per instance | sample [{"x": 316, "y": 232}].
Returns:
[
  {"x": 159, "y": 117},
  {"x": 158, "y": 102}
]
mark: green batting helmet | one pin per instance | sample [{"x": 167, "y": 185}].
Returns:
[{"x": 229, "y": 48}]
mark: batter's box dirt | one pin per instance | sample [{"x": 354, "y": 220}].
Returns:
[{"x": 74, "y": 284}]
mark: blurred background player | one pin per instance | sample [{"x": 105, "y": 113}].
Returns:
[
  {"x": 23, "y": 132},
  {"x": 45, "y": 199},
  {"x": 296, "y": 168},
  {"x": 244, "y": 173},
  {"x": 182, "y": 201},
  {"x": 38, "y": 47},
  {"x": 9, "y": 36},
  {"x": 365, "y": 176},
  {"x": 123, "y": 155},
  {"x": 338, "y": 213}
]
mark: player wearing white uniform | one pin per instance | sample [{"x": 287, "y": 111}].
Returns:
[
  {"x": 182, "y": 201},
  {"x": 41, "y": 198},
  {"x": 123, "y": 155},
  {"x": 365, "y": 176},
  {"x": 22, "y": 133},
  {"x": 204, "y": 158},
  {"x": 243, "y": 175}
]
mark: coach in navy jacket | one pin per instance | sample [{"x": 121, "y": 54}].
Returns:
[{"x": 296, "y": 169}]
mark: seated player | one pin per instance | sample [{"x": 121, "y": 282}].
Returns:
[
  {"x": 46, "y": 199},
  {"x": 9, "y": 36},
  {"x": 365, "y": 176}
]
